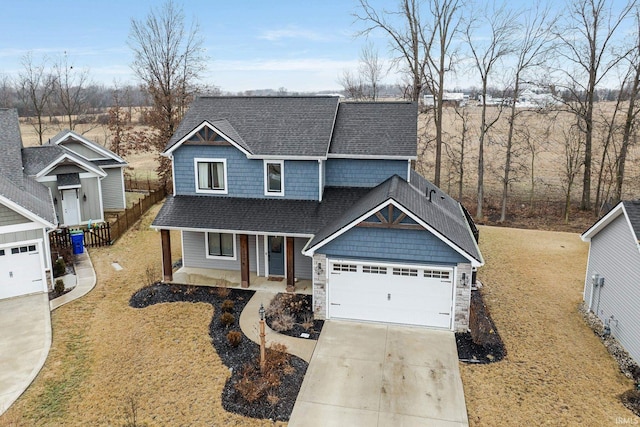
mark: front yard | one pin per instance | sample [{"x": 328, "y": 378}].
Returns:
[{"x": 109, "y": 361}]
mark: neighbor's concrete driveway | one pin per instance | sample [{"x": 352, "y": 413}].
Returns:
[
  {"x": 25, "y": 341},
  {"x": 365, "y": 374}
]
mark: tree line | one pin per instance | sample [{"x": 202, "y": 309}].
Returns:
[{"x": 572, "y": 51}]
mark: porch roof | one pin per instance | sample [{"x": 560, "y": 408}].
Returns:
[{"x": 276, "y": 216}]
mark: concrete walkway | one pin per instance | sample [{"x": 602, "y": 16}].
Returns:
[
  {"x": 25, "y": 341},
  {"x": 366, "y": 374},
  {"x": 250, "y": 321},
  {"x": 85, "y": 280}
]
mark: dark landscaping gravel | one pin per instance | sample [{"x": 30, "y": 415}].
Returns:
[
  {"x": 487, "y": 348},
  {"x": 234, "y": 358}
]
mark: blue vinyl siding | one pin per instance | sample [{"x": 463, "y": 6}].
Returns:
[
  {"x": 361, "y": 172},
  {"x": 245, "y": 176},
  {"x": 392, "y": 245}
]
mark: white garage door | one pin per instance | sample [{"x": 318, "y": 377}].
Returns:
[
  {"x": 21, "y": 270},
  {"x": 391, "y": 293}
]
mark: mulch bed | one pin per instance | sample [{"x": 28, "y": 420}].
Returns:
[
  {"x": 233, "y": 357},
  {"x": 298, "y": 329},
  {"x": 483, "y": 344}
]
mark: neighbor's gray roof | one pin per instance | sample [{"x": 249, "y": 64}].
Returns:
[
  {"x": 442, "y": 213},
  {"x": 275, "y": 215},
  {"x": 34, "y": 159},
  {"x": 15, "y": 185},
  {"x": 633, "y": 212},
  {"x": 376, "y": 129},
  {"x": 279, "y": 126}
]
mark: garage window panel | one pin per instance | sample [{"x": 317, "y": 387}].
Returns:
[
  {"x": 345, "y": 267},
  {"x": 412, "y": 272},
  {"x": 437, "y": 274},
  {"x": 374, "y": 269},
  {"x": 15, "y": 251},
  {"x": 1, "y": 252}
]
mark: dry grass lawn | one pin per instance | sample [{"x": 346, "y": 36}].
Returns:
[
  {"x": 106, "y": 355},
  {"x": 556, "y": 371}
]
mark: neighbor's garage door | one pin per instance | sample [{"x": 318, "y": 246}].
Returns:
[
  {"x": 391, "y": 293},
  {"x": 21, "y": 270}
]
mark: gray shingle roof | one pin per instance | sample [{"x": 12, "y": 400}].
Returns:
[
  {"x": 633, "y": 212},
  {"x": 15, "y": 185},
  {"x": 278, "y": 126},
  {"x": 259, "y": 215},
  {"x": 376, "y": 129},
  {"x": 442, "y": 213},
  {"x": 34, "y": 159}
]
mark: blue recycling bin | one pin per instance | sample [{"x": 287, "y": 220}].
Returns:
[{"x": 77, "y": 241}]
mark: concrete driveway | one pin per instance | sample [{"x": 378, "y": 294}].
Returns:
[
  {"x": 25, "y": 340},
  {"x": 366, "y": 374}
]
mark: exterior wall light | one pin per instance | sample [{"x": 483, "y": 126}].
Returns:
[
  {"x": 84, "y": 197},
  {"x": 319, "y": 269},
  {"x": 463, "y": 279}
]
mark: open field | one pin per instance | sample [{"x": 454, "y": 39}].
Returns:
[
  {"x": 557, "y": 372},
  {"x": 106, "y": 355}
]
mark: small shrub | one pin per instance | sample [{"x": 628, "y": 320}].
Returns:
[
  {"x": 272, "y": 398},
  {"x": 234, "y": 338},
  {"x": 227, "y": 305},
  {"x": 150, "y": 274},
  {"x": 58, "y": 288},
  {"x": 227, "y": 319},
  {"x": 631, "y": 399},
  {"x": 222, "y": 291},
  {"x": 252, "y": 384},
  {"x": 60, "y": 267},
  {"x": 282, "y": 322},
  {"x": 190, "y": 290},
  {"x": 307, "y": 321}
]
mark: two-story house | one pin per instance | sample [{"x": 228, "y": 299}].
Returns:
[{"x": 310, "y": 188}]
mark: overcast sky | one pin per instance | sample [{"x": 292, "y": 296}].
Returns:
[{"x": 301, "y": 45}]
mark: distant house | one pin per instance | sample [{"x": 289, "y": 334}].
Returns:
[
  {"x": 612, "y": 283},
  {"x": 85, "y": 178},
  {"x": 531, "y": 99},
  {"x": 27, "y": 216},
  {"x": 317, "y": 191},
  {"x": 448, "y": 99}
]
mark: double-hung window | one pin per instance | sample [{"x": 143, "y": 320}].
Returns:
[
  {"x": 211, "y": 176},
  {"x": 274, "y": 177},
  {"x": 221, "y": 245}
]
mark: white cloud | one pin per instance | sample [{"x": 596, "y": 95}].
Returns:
[{"x": 294, "y": 33}]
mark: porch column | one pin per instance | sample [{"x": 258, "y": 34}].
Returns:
[
  {"x": 291, "y": 285},
  {"x": 244, "y": 260},
  {"x": 167, "y": 270}
]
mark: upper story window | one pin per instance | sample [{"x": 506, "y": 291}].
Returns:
[
  {"x": 211, "y": 176},
  {"x": 221, "y": 245},
  {"x": 274, "y": 177}
]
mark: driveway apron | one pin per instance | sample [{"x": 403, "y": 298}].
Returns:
[
  {"x": 367, "y": 374},
  {"x": 25, "y": 341}
]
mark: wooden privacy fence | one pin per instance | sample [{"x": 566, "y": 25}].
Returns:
[{"x": 104, "y": 234}]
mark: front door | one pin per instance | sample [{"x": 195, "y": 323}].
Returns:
[
  {"x": 276, "y": 256},
  {"x": 70, "y": 208}
]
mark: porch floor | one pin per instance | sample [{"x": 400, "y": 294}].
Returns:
[{"x": 211, "y": 277}]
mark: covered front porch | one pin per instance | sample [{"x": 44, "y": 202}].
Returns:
[
  {"x": 256, "y": 261},
  {"x": 233, "y": 279}
]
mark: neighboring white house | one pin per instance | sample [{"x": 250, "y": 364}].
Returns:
[
  {"x": 448, "y": 98},
  {"x": 612, "y": 283},
  {"x": 531, "y": 99}
]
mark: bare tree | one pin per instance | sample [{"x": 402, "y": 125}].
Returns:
[
  {"x": 442, "y": 28},
  {"x": 586, "y": 40},
  {"x": 535, "y": 145},
  {"x": 71, "y": 83},
  {"x": 36, "y": 85},
  {"x": 406, "y": 38},
  {"x": 573, "y": 146},
  {"x": 424, "y": 48},
  {"x": 7, "y": 91},
  {"x": 352, "y": 85},
  {"x": 372, "y": 70},
  {"x": 456, "y": 154},
  {"x": 485, "y": 53},
  {"x": 633, "y": 88},
  {"x": 168, "y": 58},
  {"x": 531, "y": 47}
]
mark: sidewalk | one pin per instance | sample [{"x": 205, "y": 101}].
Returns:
[
  {"x": 250, "y": 321},
  {"x": 85, "y": 280}
]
